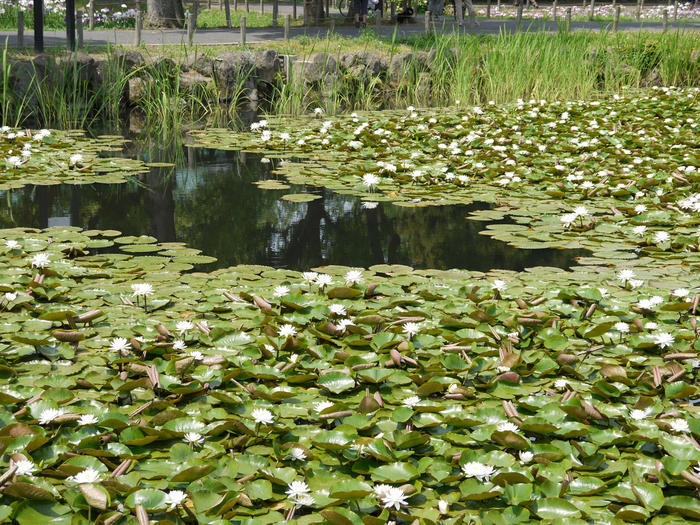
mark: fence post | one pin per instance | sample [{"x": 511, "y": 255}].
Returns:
[
  {"x": 639, "y": 10},
  {"x": 554, "y": 10},
  {"x": 38, "y": 26},
  {"x": 247, "y": 6},
  {"x": 519, "y": 18},
  {"x": 79, "y": 27},
  {"x": 616, "y": 21},
  {"x": 328, "y": 9},
  {"x": 275, "y": 10},
  {"x": 243, "y": 30},
  {"x": 190, "y": 27},
  {"x": 91, "y": 14},
  {"x": 568, "y": 19},
  {"x": 294, "y": 9},
  {"x": 227, "y": 9},
  {"x": 498, "y": 5},
  {"x": 317, "y": 12},
  {"x": 675, "y": 10},
  {"x": 459, "y": 12},
  {"x": 488, "y": 8},
  {"x": 262, "y": 7},
  {"x": 235, "y": 5},
  {"x": 378, "y": 18},
  {"x": 20, "y": 28},
  {"x": 590, "y": 14},
  {"x": 287, "y": 22},
  {"x": 138, "y": 23},
  {"x": 665, "y": 19},
  {"x": 427, "y": 22},
  {"x": 209, "y": 4}
]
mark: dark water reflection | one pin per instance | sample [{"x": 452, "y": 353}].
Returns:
[{"x": 209, "y": 201}]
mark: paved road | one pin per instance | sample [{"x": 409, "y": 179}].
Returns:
[{"x": 264, "y": 34}]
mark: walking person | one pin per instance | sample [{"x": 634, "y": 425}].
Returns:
[{"x": 360, "y": 7}]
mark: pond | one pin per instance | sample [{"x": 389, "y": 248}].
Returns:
[{"x": 209, "y": 201}]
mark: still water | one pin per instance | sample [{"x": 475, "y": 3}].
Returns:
[{"x": 208, "y": 200}]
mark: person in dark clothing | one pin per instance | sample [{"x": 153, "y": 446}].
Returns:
[{"x": 360, "y": 11}]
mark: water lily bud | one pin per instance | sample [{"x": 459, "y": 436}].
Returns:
[{"x": 567, "y": 359}]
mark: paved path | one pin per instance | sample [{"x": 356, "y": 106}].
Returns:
[{"x": 264, "y": 34}]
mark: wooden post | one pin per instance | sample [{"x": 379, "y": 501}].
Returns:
[
  {"x": 138, "y": 23},
  {"x": 519, "y": 17},
  {"x": 247, "y": 6},
  {"x": 20, "y": 28},
  {"x": 235, "y": 6},
  {"x": 665, "y": 20},
  {"x": 275, "y": 10},
  {"x": 639, "y": 10},
  {"x": 427, "y": 22},
  {"x": 294, "y": 9},
  {"x": 195, "y": 11},
  {"x": 378, "y": 18},
  {"x": 616, "y": 21},
  {"x": 39, "y": 26},
  {"x": 592, "y": 11},
  {"x": 79, "y": 27},
  {"x": 227, "y": 9},
  {"x": 243, "y": 30},
  {"x": 568, "y": 19},
  {"x": 190, "y": 27},
  {"x": 317, "y": 12},
  {"x": 91, "y": 14},
  {"x": 209, "y": 4},
  {"x": 488, "y": 8},
  {"x": 328, "y": 8},
  {"x": 262, "y": 7},
  {"x": 287, "y": 23},
  {"x": 459, "y": 13},
  {"x": 675, "y": 10},
  {"x": 554, "y": 10},
  {"x": 498, "y": 5},
  {"x": 70, "y": 24}
]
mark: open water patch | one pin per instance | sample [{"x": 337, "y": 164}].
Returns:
[{"x": 209, "y": 200}]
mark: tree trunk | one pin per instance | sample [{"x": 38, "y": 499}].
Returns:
[{"x": 165, "y": 13}]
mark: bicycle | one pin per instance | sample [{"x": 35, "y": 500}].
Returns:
[{"x": 343, "y": 6}]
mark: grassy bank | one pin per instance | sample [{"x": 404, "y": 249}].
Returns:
[{"x": 471, "y": 69}]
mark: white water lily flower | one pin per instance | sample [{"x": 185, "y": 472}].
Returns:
[
  {"x": 661, "y": 237},
  {"x": 74, "y": 159},
  {"x": 323, "y": 279},
  {"x": 337, "y": 309},
  {"x": 196, "y": 355},
  {"x": 179, "y": 344},
  {"x": 635, "y": 283},
  {"x": 14, "y": 161},
  {"x": 477, "y": 470},
  {"x": 309, "y": 277},
  {"x": 639, "y": 230},
  {"x": 625, "y": 275},
  {"x": 89, "y": 475},
  {"x": 49, "y": 414},
  {"x": 622, "y": 327},
  {"x": 581, "y": 211},
  {"x": 305, "y": 500},
  {"x": 411, "y": 401},
  {"x": 262, "y": 415},
  {"x": 142, "y": 289},
  {"x": 507, "y": 426},
  {"x": 10, "y": 296},
  {"x": 287, "y": 330},
  {"x": 370, "y": 179},
  {"x": 12, "y": 244},
  {"x": 640, "y": 208},
  {"x": 193, "y": 438},
  {"x": 664, "y": 339},
  {"x": 680, "y": 292},
  {"x": 343, "y": 324},
  {"x": 284, "y": 136},
  {"x": 638, "y": 414},
  {"x": 560, "y": 384},
  {"x": 297, "y": 453},
  {"x": 40, "y": 260},
  {"x": 119, "y": 343},
  {"x": 679, "y": 425},
  {"x": 525, "y": 456},
  {"x": 183, "y": 327},
  {"x": 369, "y": 205},
  {"x": 25, "y": 467},
  {"x": 394, "y": 497},
  {"x": 568, "y": 219},
  {"x": 296, "y": 489},
  {"x": 174, "y": 498},
  {"x": 280, "y": 291},
  {"x": 87, "y": 419},
  {"x": 353, "y": 277},
  {"x": 499, "y": 285},
  {"x": 411, "y": 329},
  {"x": 443, "y": 506}
]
